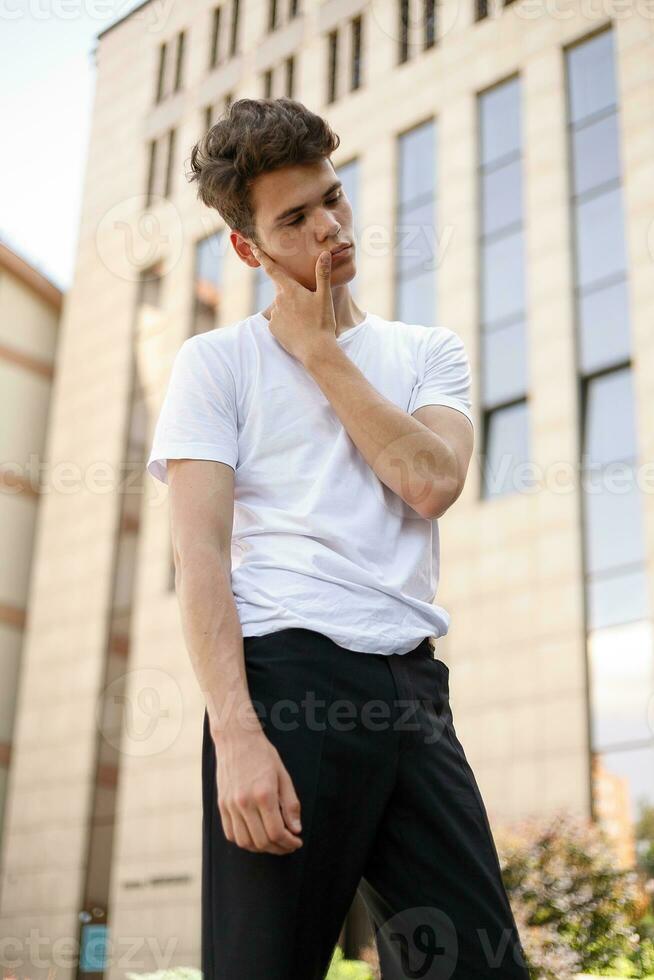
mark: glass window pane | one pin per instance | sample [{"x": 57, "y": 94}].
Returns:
[
  {"x": 610, "y": 430},
  {"x": 416, "y": 247},
  {"x": 416, "y": 299},
  {"x": 502, "y": 278},
  {"x": 504, "y": 364},
  {"x": 501, "y": 197},
  {"x": 615, "y": 599},
  {"x": 600, "y": 237},
  {"x": 417, "y": 162},
  {"x": 623, "y": 785},
  {"x": 208, "y": 275},
  {"x": 595, "y": 154},
  {"x": 208, "y": 257},
  {"x": 604, "y": 334},
  {"x": 591, "y": 80},
  {"x": 499, "y": 121},
  {"x": 348, "y": 174},
  {"x": 621, "y": 680},
  {"x": 613, "y": 523},
  {"x": 508, "y": 447}
]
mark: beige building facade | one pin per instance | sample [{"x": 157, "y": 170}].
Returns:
[
  {"x": 30, "y": 310},
  {"x": 500, "y": 165}
]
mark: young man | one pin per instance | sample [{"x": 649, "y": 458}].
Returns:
[{"x": 309, "y": 450}]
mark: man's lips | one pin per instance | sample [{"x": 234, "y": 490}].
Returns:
[{"x": 342, "y": 250}]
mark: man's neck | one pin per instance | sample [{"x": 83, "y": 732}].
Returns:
[{"x": 347, "y": 313}]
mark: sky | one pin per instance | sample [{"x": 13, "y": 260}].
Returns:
[{"x": 47, "y": 80}]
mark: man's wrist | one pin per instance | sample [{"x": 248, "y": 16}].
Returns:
[
  {"x": 238, "y": 730},
  {"x": 320, "y": 354},
  {"x": 234, "y": 722}
]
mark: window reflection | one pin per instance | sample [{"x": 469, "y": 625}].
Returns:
[
  {"x": 618, "y": 617},
  {"x": 600, "y": 237},
  {"x": 499, "y": 121},
  {"x": 591, "y": 78},
  {"x": 348, "y": 174},
  {"x": 595, "y": 158},
  {"x": 503, "y": 363},
  {"x": 507, "y": 439},
  {"x": 621, "y": 679},
  {"x": 603, "y": 326},
  {"x": 416, "y": 248},
  {"x": 207, "y": 282},
  {"x": 623, "y": 787},
  {"x": 502, "y": 285}
]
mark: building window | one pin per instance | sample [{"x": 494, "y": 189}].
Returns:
[
  {"x": 278, "y": 18},
  {"x": 149, "y": 288},
  {"x": 601, "y": 293},
  {"x": 179, "y": 60},
  {"x": 170, "y": 158},
  {"x": 415, "y": 226},
  {"x": 355, "y": 77},
  {"x": 332, "y": 69},
  {"x": 170, "y": 67},
  {"x": 481, "y": 9},
  {"x": 290, "y": 69},
  {"x": 161, "y": 73},
  {"x": 502, "y": 300},
  {"x": 429, "y": 37},
  {"x": 207, "y": 282},
  {"x": 214, "y": 48},
  {"x": 403, "y": 32},
  {"x": 618, "y": 613},
  {"x": 160, "y": 166},
  {"x": 348, "y": 174},
  {"x": 233, "y": 40}
]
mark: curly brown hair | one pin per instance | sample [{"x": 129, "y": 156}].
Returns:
[{"x": 251, "y": 137}]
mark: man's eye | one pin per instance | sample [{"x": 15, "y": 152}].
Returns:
[{"x": 330, "y": 200}]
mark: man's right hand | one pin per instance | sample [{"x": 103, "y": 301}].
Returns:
[{"x": 256, "y": 798}]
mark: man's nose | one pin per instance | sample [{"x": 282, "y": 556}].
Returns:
[{"x": 327, "y": 225}]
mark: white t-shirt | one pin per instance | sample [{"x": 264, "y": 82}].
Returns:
[{"x": 318, "y": 540}]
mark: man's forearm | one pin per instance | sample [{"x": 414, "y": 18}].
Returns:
[
  {"x": 214, "y": 640},
  {"x": 407, "y": 457}
]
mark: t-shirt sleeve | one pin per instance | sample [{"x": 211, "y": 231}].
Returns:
[
  {"x": 446, "y": 376},
  {"x": 198, "y": 417}
]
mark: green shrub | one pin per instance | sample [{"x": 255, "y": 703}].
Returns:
[{"x": 574, "y": 909}]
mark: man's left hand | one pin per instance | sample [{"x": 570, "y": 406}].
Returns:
[{"x": 302, "y": 320}]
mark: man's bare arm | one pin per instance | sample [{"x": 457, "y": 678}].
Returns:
[
  {"x": 201, "y": 499},
  {"x": 252, "y": 780},
  {"x": 415, "y": 462}
]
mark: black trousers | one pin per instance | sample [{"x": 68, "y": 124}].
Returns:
[{"x": 390, "y": 806}]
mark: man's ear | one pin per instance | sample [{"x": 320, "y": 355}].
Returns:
[{"x": 242, "y": 248}]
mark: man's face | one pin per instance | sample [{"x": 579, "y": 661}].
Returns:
[{"x": 301, "y": 211}]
